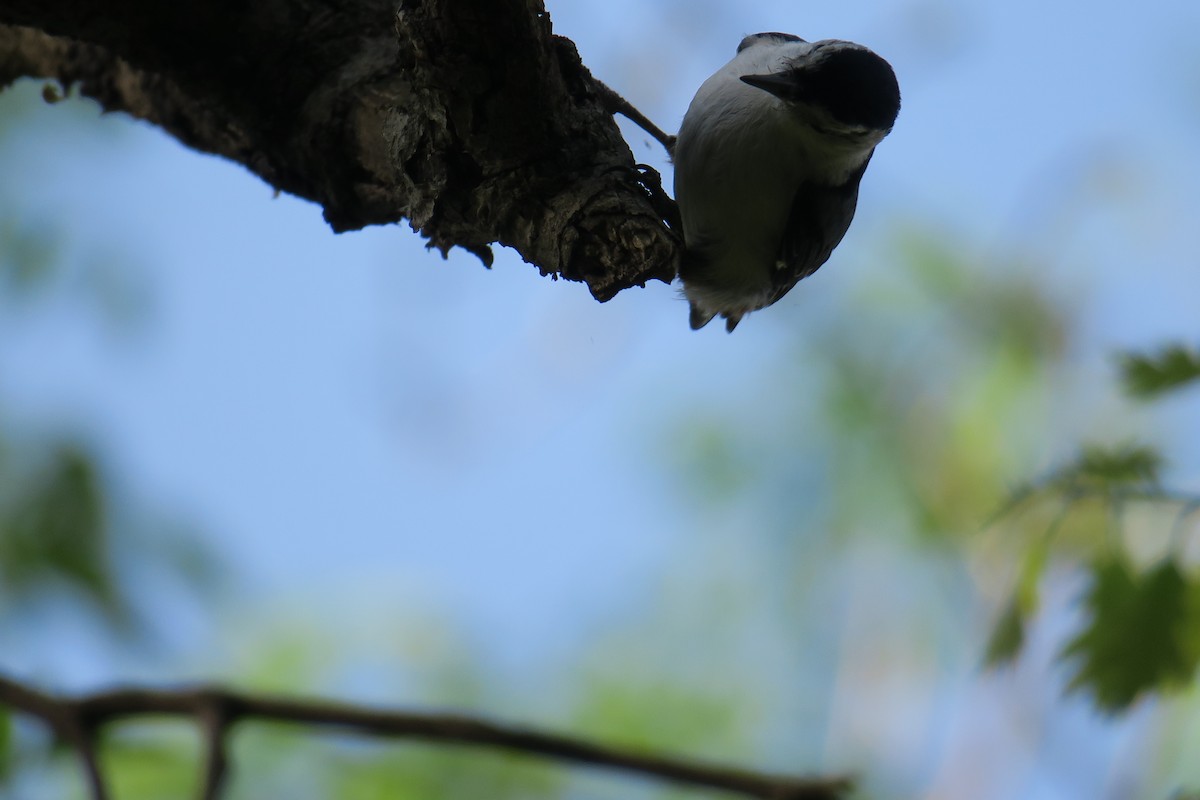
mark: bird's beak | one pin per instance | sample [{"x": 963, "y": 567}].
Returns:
[{"x": 781, "y": 86}]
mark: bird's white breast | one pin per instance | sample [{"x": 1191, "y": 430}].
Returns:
[
  {"x": 732, "y": 179},
  {"x": 739, "y": 159}
]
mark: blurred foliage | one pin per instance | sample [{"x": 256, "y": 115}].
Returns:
[
  {"x": 1146, "y": 376},
  {"x": 63, "y": 529},
  {"x": 924, "y": 428},
  {"x": 1008, "y": 635},
  {"x": 919, "y": 419},
  {"x": 614, "y": 709},
  {"x": 1143, "y": 628},
  {"x": 1109, "y": 472},
  {"x": 1143, "y": 632},
  {"x": 37, "y": 258},
  {"x": 53, "y": 527},
  {"x": 69, "y": 538},
  {"x": 942, "y": 398},
  {"x": 403, "y": 771},
  {"x": 152, "y": 760},
  {"x": 74, "y": 546},
  {"x": 28, "y": 256},
  {"x": 1110, "y": 468},
  {"x": 6, "y": 738}
]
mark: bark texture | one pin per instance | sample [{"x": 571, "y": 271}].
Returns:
[{"x": 468, "y": 118}]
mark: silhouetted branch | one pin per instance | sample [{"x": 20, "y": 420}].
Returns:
[
  {"x": 469, "y": 119},
  {"x": 69, "y": 720},
  {"x": 217, "y": 709}
]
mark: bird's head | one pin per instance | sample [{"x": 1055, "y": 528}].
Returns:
[{"x": 840, "y": 86}]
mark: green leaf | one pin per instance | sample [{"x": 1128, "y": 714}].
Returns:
[
  {"x": 6, "y": 738},
  {"x": 1149, "y": 375},
  {"x": 1009, "y": 634},
  {"x": 1143, "y": 635},
  {"x": 1108, "y": 468},
  {"x": 58, "y": 528},
  {"x": 28, "y": 256}
]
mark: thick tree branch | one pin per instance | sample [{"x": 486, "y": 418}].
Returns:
[
  {"x": 468, "y": 118},
  {"x": 216, "y": 710}
]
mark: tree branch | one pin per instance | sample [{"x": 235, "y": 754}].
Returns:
[
  {"x": 214, "y": 718},
  {"x": 217, "y": 709},
  {"x": 68, "y": 721},
  {"x": 468, "y": 118}
]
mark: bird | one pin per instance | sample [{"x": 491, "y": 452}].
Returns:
[{"x": 768, "y": 161}]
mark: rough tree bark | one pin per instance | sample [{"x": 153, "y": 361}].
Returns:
[{"x": 468, "y": 118}]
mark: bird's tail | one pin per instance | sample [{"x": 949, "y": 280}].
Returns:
[{"x": 698, "y": 317}]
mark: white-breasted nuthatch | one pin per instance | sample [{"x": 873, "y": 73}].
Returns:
[{"x": 767, "y": 166}]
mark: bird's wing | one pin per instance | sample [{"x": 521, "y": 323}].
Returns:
[{"x": 819, "y": 218}]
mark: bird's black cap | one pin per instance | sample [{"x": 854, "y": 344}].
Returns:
[
  {"x": 854, "y": 85},
  {"x": 774, "y": 36}
]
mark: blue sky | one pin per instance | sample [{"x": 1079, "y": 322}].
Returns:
[{"x": 360, "y": 425}]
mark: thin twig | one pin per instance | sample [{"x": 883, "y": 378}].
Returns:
[
  {"x": 616, "y": 104},
  {"x": 1041, "y": 488},
  {"x": 82, "y": 737},
  {"x": 651, "y": 180},
  {"x": 110, "y": 706},
  {"x": 215, "y": 717}
]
